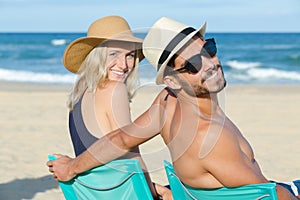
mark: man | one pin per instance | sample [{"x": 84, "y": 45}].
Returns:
[{"x": 207, "y": 149}]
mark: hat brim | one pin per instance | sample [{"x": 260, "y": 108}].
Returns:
[
  {"x": 77, "y": 50},
  {"x": 160, "y": 73}
]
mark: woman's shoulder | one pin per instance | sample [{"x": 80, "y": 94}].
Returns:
[
  {"x": 112, "y": 89},
  {"x": 111, "y": 86},
  {"x": 115, "y": 84}
]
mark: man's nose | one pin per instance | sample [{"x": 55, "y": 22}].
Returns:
[{"x": 209, "y": 65}]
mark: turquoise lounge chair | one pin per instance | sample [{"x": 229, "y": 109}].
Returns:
[
  {"x": 265, "y": 191},
  {"x": 119, "y": 179}
]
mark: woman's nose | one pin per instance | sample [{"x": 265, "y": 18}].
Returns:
[{"x": 121, "y": 62}]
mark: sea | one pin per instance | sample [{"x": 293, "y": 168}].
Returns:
[{"x": 247, "y": 58}]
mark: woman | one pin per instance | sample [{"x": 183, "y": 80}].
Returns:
[{"x": 106, "y": 62}]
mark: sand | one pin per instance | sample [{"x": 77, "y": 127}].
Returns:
[{"x": 33, "y": 124}]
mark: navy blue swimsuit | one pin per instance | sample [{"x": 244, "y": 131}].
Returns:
[{"x": 81, "y": 137}]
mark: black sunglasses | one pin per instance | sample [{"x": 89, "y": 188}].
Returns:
[{"x": 194, "y": 64}]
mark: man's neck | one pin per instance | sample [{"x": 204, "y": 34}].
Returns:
[{"x": 206, "y": 104}]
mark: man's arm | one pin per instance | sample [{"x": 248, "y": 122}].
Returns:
[{"x": 111, "y": 146}]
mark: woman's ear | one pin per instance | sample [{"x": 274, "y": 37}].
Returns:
[{"x": 172, "y": 82}]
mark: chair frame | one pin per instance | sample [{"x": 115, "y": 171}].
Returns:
[{"x": 118, "y": 179}]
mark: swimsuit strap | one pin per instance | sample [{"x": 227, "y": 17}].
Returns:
[{"x": 169, "y": 92}]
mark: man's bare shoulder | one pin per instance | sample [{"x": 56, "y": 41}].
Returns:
[{"x": 166, "y": 96}]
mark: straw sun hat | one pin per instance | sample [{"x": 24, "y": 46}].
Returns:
[
  {"x": 109, "y": 27},
  {"x": 165, "y": 38}
]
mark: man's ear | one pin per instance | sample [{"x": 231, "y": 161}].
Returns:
[{"x": 172, "y": 82}]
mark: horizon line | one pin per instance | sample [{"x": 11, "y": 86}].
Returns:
[{"x": 209, "y": 32}]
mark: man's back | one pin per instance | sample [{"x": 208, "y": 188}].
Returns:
[{"x": 207, "y": 149}]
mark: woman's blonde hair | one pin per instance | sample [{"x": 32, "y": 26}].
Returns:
[{"x": 93, "y": 73}]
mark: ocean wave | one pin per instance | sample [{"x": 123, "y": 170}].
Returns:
[
  {"x": 27, "y": 76},
  {"x": 295, "y": 57},
  {"x": 279, "y": 46},
  {"x": 58, "y": 42},
  {"x": 33, "y": 77},
  {"x": 273, "y": 73},
  {"x": 242, "y": 65}
]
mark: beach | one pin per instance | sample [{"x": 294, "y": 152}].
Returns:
[{"x": 34, "y": 123}]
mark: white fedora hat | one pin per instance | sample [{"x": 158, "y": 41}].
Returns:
[{"x": 165, "y": 38}]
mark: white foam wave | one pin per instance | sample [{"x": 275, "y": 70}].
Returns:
[
  {"x": 242, "y": 65},
  {"x": 294, "y": 56},
  {"x": 279, "y": 46},
  {"x": 26, "y": 76},
  {"x": 273, "y": 73},
  {"x": 58, "y": 42}
]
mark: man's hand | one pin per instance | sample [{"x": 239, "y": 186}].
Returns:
[{"x": 62, "y": 168}]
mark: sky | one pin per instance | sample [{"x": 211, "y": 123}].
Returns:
[{"x": 220, "y": 15}]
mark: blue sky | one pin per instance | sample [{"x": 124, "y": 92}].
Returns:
[{"x": 221, "y": 15}]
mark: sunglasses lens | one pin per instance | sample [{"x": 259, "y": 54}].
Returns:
[
  {"x": 194, "y": 64},
  {"x": 210, "y": 47}
]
